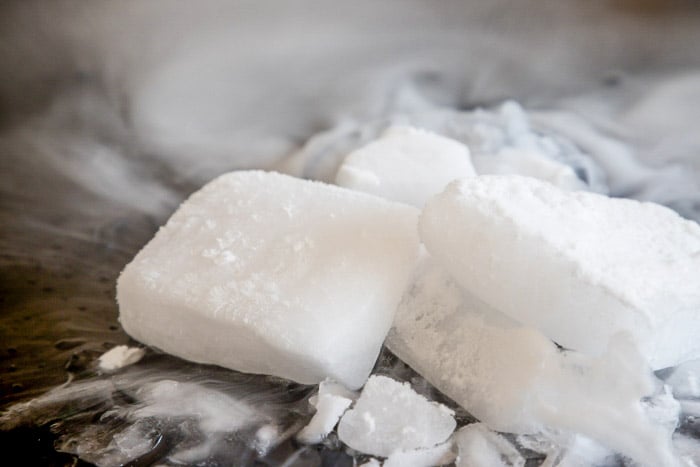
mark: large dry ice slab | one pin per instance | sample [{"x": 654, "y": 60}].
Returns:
[
  {"x": 265, "y": 273},
  {"x": 579, "y": 266}
]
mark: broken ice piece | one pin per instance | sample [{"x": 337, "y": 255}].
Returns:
[
  {"x": 515, "y": 380},
  {"x": 437, "y": 455},
  {"x": 389, "y": 416},
  {"x": 119, "y": 357},
  {"x": 480, "y": 447},
  {"x": 265, "y": 273},
  {"x": 331, "y": 402},
  {"x": 405, "y": 164},
  {"x": 579, "y": 266}
]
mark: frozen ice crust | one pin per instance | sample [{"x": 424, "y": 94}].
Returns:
[
  {"x": 580, "y": 267},
  {"x": 265, "y": 273}
]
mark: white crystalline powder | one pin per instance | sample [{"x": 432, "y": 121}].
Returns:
[
  {"x": 580, "y": 267},
  {"x": 389, "y": 416},
  {"x": 265, "y": 273},
  {"x": 119, "y": 357},
  {"x": 515, "y": 380},
  {"x": 480, "y": 447},
  {"x": 405, "y": 164}
]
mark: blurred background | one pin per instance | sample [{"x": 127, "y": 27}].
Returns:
[{"x": 112, "y": 112}]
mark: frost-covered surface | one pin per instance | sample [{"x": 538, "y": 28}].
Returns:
[
  {"x": 515, "y": 380},
  {"x": 264, "y": 273},
  {"x": 581, "y": 267},
  {"x": 390, "y": 416},
  {"x": 405, "y": 164},
  {"x": 119, "y": 357}
]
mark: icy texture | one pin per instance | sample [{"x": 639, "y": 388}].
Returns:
[
  {"x": 581, "y": 267},
  {"x": 264, "y": 273},
  {"x": 437, "y": 455},
  {"x": 504, "y": 139},
  {"x": 119, "y": 357},
  {"x": 331, "y": 402},
  {"x": 405, "y": 164},
  {"x": 389, "y": 416},
  {"x": 515, "y": 380},
  {"x": 480, "y": 447}
]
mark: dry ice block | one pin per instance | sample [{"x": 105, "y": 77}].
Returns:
[
  {"x": 265, "y": 273},
  {"x": 405, "y": 164},
  {"x": 578, "y": 266},
  {"x": 515, "y": 379}
]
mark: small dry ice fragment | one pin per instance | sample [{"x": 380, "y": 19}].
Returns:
[
  {"x": 480, "y": 447},
  {"x": 405, "y": 164},
  {"x": 331, "y": 402},
  {"x": 514, "y": 379},
  {"x": 440, "y": 454},
  {"x": 580, "y": 267},
  {"x": 119, "y": 357},
  {"x": 265, "y": 273},
  {"x": 389, "y": 416}
]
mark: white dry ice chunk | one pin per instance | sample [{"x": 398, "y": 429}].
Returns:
[
  {"x": 389, "y": 416},
  {"x": 478, "y": 446},
  {"x": 265, "y": 273},
  {"x": 579, "y": 266},
  {"x": 405, "y": 164},
  {"x": 331, "y": 402},
  {"x": 441, "y": 454},
  {"x": 514, "y": 379},
  {"x": 119, "y": 357}
]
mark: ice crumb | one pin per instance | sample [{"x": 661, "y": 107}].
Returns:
[
  {"x": 119, "y": 357},
  {"x": 331, "y": 402},
  {"x": 378, "y": 422}
]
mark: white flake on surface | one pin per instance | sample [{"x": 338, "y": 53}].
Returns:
[
  {"x": 264, "y": 273},
  {"x": 389, "y": 416},
  {"x": 119, "y": 357},
  {"x": 579, "y": 266},
  {"x": 331, "y": 402},
  {"x": 405, "y": 164}
]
